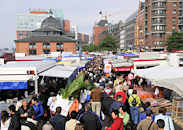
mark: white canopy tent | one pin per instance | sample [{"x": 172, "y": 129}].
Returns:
[
  {"x": 164, "y": 76},
  {"x": 59, "y": 71}
]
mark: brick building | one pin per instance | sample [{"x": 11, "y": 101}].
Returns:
[
  {"x": 98, "y": 30},
  {"x": 162, "y": 17},
  {"x": 49, "y": 38},
  {"x": 139, "y": 27}
]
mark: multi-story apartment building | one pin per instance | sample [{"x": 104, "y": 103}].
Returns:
[
  {"x": 114, "y": 30},
  {"x": 139, "y": 27},
  {"x": 130, "y": 31},
  {"x": 162, "y": 17},
  {"x": 122, "y": 37}
]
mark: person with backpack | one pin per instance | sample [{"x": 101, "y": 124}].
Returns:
[
  {"x": 142, "y": 112},
  {"x": 38, "y": 109},
  {"x": 30, "y": 123},
  {"x": 134, "y": 101},
  {"x": 147, "y": 124}
]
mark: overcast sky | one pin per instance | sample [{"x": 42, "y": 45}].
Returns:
[{"x": 83, "y": 13}]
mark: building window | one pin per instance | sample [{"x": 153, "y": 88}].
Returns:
[
  {"x": 159, "y": 28},
  {"x": 174, "y": 4},
  {"x": 174, "y": 27},
  {"x": 157, "y": 43},
  {"x": 32, "y": 52},
  {"x": 58, "y": 50},
  {"x": 174, "y": 19},
  {"x": 20, "y": 34},
  {"x": 174, "y": 12},
  {"x": 60, "y": 45},
  {"x": 46, "y": 51},
  {"x": 32, "y": 45},
  {"x": 46, "y": 45}
]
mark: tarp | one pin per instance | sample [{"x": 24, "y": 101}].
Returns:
[
  {"x": 13, "y": 85},
  {"x": 59, "y": 71},
  {"x": 164, "y": 76}
]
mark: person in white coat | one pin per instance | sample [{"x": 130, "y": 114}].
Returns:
[
  {"x": 5, "y": 120},
  {"x": 167, "y": 119}
]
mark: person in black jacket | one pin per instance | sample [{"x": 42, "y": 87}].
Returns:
[
  {"x": 106, "y": 103},
  {"x": 15, "y": 121},
  {"x": 58, "y": 121},
  {"x": 89, "y": 119},
  {"x": 23, "y": 111}
]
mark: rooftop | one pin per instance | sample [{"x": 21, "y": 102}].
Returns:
[{"x": 61, "y": 38}]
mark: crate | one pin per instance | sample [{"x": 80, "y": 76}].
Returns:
[{"x": 177, "y": 110}]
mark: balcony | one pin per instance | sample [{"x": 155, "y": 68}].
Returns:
[
  {"x": 180, "y": 6},
  {"x": 180, "y": 23},
  {"x": 158, "y": 15},
  {"x": 158, "y": 1},
  {"x": 160, "y": 31},
  {"x": 156, "y": 7},
  {"x": 158, "y": 23}
]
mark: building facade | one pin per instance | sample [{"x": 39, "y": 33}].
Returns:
[
  {"x": 139, "y": 27},
  {"x": 50, "y": 37},
  {"x": 122, "y": 38},
  {"x": 114, "y": 30},
  {"x": 129, "y": 26},
  {"x": 162, "y": 18},
  {"x": 98, "y": 30}
]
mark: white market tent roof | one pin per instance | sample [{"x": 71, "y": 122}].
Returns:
[
  {"x": 164, "y": 76},
  {"x": 39, "y": 65},
  {"x": 59, "y": 71}
]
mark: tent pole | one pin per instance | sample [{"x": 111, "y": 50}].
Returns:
[{"x": 36, "y": 85}]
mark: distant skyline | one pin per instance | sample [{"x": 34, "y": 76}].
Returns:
[{"x": 82, "y": 13}]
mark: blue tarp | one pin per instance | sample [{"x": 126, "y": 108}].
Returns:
[
  {"x": 13, "y": 85},
  {"x": 127, "y": 55}
]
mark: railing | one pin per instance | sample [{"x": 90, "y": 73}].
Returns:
[
  {"x": 158, "y": 6},
  {"x": 158, "y": 14},
  {"x": 156, "y": 22}
]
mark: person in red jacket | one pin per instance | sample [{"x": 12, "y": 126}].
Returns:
[
  {"x": 123, "y": 94},
  {"x": 118, "y": 122}
]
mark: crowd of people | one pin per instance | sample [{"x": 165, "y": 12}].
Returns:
[{"x": 113, "y": 104}]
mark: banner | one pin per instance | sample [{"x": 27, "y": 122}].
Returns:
[
  {"x": 107, "y": 68},
  {"x": 13, "y": 85}
]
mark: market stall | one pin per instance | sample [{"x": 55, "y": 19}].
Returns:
[
  {"x": 172, "y": 79},
  {"x": 164, "y": 76},
  {"x": 122, "y": 66}
]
